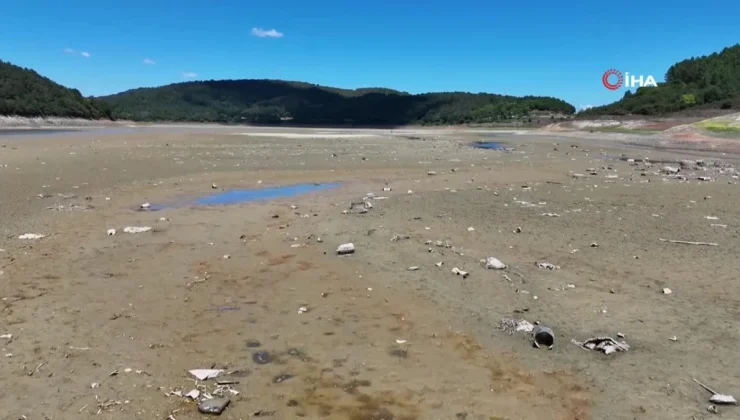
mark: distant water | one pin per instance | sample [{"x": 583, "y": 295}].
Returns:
[
  {"x": 492, "y": 145},
  {"x": 35, "y": 131},
  {"x": 100, "y": 131}
]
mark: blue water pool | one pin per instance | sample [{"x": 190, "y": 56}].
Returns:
[
  {"x": 492, "y": 145},
  {"x": 271, "y": 193}
]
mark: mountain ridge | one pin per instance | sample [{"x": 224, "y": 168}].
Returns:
[{"x": 275, "y": 101}]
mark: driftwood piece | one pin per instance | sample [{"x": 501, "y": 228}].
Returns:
[{"x": 673, "y": 241}]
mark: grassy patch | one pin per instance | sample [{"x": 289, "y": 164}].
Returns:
[
  {"x": 719, "y": 126},
  {"x": 625, "y": 130}
]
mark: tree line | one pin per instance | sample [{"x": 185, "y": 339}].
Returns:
[
  {"x": 711, "y": 80},
  {"x": 276, "y": 101},
  {"x": 25, "y": 93}
]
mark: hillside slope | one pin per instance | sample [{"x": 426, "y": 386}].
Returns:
[
  {"x": 25, "y": 93},
  {"x": 711, "y": 81},
  {"x": 273, "y": 101}
]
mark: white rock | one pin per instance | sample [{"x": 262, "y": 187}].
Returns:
[
  {"x": 471, "y": 229},
  {"x": 409, "y": 192},
  {"x": 386, "y": 189},
  {"x": 667, "y": 291},
  {"x": 145, "y": 206},
  {"x": 722, "y": 399},
  {"x": 670, "y": 170},
  {"x": 493, "y": 263},
  {"x": 344, "y": 249},
  {"x": 136, "y": 229},
  {"x": 431, "y": 173},
  {"x": 460, "y": 272},
  {"x": 547, "y": 266},
  {"x": 111, "y": 232},
  {"x": 31, "y": 236},
  {"x": 525, "y": 326},
  {"x": 194, "y": 394},
  {"x": 203, "y": 374},
  {"x": 413, "y": 268}
]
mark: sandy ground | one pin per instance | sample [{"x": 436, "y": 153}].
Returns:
[{"x": 108, "y": 326}]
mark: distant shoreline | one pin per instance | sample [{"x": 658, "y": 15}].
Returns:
[
  {"x": 59, "y": 123},
  {"x": 29, "y": 123}
]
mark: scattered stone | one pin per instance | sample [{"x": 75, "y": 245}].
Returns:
[
  {"x": 214, "y": 186},
  {"x": 439, "y": 264},
  {"x": 252, "y": 343},
  {"x": 399, "y": 238},
  {"x": 145, "y": 206},
  {"x": 261, "y": 358},
  {"x": 493, "y": 263},
  {"x": 111, "y": 232},
  {"x": 193, "y": 394},
  {"x": 547, "y": 266},
  {"x": 357, "y": 207},
  {"x": 471, "y": 229},
  {"x": 518, "y": 230},
  {"x": 667, "y": 291},
  {"x": 136, "y": 229},
  {"x": 31, "y": 236},
  {"x": 430, "y": 173},
  {"x": 345, "y": 249},
  {"x": 386, "y": 189},
  {"x": 204, "y": 374},
  {"x": 607, "y": 345},
  {"x": 670, "y": 170},
  {"x": 511, "y": 325},
  {"x": 213, "y": 405},
  {"x": 594, "y": 245},
  {"x": 673, "y": 338},
  {"x": 413, "y": 268},
  {"x": 704, "y": 178},
  {"x": 459, "y": 272},
  {"x": 282, "y": 378}
]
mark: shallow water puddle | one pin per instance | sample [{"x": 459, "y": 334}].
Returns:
[
  {"x": 244, "y": 196},
  {"x": 492, "y": 145},
  {"x": 247, "y": 195}
]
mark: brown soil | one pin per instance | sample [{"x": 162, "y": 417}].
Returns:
[{"x": 360, "y": 337}]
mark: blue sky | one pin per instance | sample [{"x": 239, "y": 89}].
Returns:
[{"x": 514, "y": 47}]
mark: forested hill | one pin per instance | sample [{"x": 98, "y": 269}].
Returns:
[
  {"x": 712, "y": 80},
  {"x": 25, "y": 93},
  {"x": 275, "y": 101}
]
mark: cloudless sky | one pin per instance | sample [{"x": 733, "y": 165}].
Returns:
[{"x": 552, "y": 48}]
